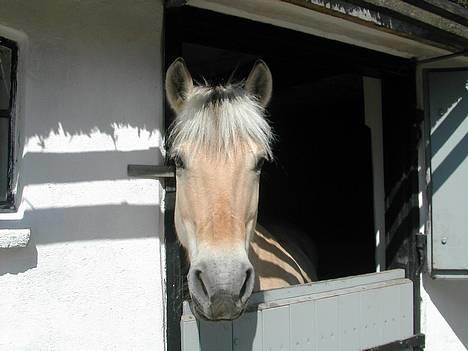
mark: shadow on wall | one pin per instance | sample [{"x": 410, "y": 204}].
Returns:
[
  {"x": 89, "y": 223},
  {"x": 81, "y": 196},
  {"x": 73, "y": 224},
  {"x": 439, "y": 138},
  {"x": 72, "y": 167},
  {"x": 449, "y": 297},
  {"x": 18, "y": 260},
  {"x": 88, "y": 114}
]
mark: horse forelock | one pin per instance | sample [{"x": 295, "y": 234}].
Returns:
[{"x": 218, "y": 119}]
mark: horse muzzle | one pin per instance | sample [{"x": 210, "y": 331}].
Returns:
[{"x": 220, "y": 288}]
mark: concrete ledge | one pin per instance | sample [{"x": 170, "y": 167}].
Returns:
[{"x": 11, "y": 238}]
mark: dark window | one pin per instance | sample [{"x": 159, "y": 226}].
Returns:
[{"x": 8, "y": 63}]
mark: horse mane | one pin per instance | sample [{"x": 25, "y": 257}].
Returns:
[{"x": 219, "y": 119}]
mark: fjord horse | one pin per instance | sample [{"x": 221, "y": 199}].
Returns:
[{"x": 219, "y": 141}]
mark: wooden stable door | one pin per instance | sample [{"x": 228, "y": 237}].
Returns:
[
  {"x": 370, "y": 311},
  {"x": 446, "y": 99}
]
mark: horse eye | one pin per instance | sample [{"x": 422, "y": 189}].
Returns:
[
  {"x": 259, "y": 164},
  {"x": 179, "y": 163}
]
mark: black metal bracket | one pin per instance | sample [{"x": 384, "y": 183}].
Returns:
[
  {"x": 417, "y": 342},
  {"x": 421, "y": 248},
  {"x": 151, "y": 172},
  {"x": 165, "y": 174}
]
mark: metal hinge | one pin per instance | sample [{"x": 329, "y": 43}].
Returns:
[
  {"x": 421, "y": 246},
  {"x": 416, "y": 342}
]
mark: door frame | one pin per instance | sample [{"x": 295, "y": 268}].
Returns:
[{"x": 174, "y": 253}]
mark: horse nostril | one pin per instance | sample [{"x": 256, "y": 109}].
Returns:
[
  {"x": 247, "y": 287},
  {"x": 199, "y": 279}
]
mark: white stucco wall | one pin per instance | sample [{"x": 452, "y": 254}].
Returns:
[
  {"x": 90, "y": 277},
  {"x": 90, "y": 103}
]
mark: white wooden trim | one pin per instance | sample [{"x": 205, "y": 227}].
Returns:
[{"x": 373, "y": 118}]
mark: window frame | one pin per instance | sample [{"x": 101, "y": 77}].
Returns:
[{"x": 8, "y": 205}]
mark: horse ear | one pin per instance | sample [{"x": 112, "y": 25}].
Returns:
[
  {"x": 178, "y": 84},
  {"x": 260, "y": 82}
]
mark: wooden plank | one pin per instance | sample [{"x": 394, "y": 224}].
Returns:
[
  {"x": 444, "y": 8},
  {"x": 395, "y": 17},
  {"x": 406, "y": 310},
  {"x": 327, "y": 322},
  {"x": 423, "y": 19},
  {"x": 349, "y": 322},
  {"x": 347, "y": 319},
  {"x": 373, "y": 116},
  {"x": 446, "y": 119},
  {"x": 247, "y": 333},
  {"x": 303, "y": 327},
  {"x": 215, "y": 336},
  {"x": 326, "y": 294},
  {"x": 324, "y": 286},
  {"x": 174, "y": 275},
  {"x": 276, "y": 333},
  {"x": 190, "y": 340},
  {"x": 371, "y": 328},
  {"x": 390, "y": 299}
]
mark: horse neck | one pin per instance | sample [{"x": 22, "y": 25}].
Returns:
[{"x": 276, "y": 263}]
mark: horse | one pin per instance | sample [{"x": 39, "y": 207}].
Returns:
[{"x": 218, "y": 142}]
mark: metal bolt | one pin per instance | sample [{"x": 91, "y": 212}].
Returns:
[{"x": 444, "y": 240}]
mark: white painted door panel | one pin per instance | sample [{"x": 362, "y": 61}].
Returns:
[
  {"x": 346, "y": 314},
  {"x": 447, "y": 109}
]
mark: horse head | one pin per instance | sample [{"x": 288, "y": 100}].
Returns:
[{"x": 218, "y": 141}]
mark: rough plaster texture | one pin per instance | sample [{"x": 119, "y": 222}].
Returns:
[
  {"x": 13, "y": 238},
  {"x": 90, "y": 277},
  {"x": 444, "y": 314},
  {"x": 90, "y": 103}
]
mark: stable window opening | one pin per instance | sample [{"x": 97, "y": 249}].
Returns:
[{"x": 344, "y": 118}]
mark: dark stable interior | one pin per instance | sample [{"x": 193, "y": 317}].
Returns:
[{"x": 321, "y": 179}]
